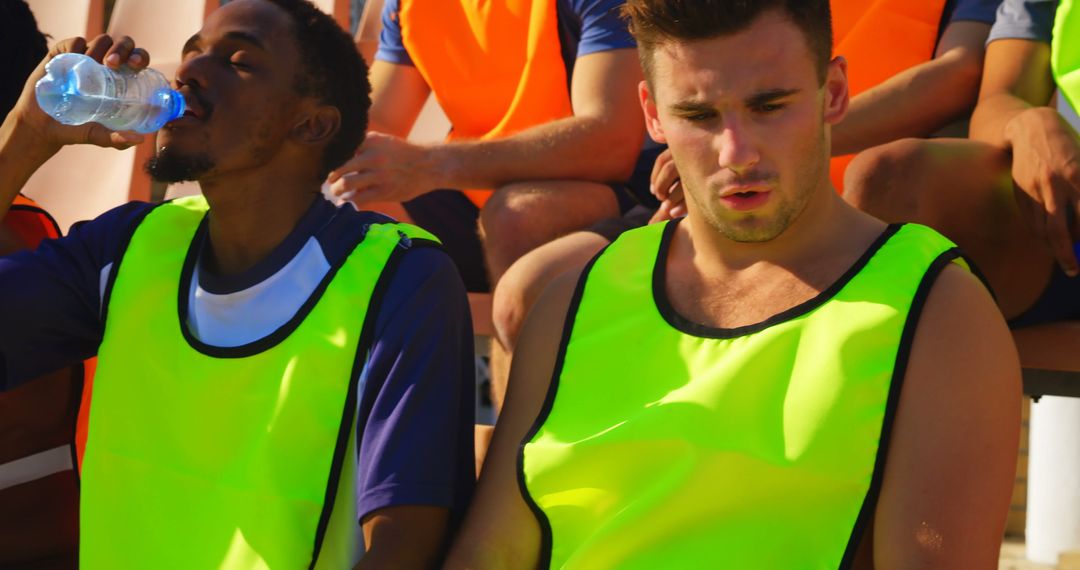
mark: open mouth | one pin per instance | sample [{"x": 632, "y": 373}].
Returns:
[
  {"x": 195, "y": 107},
  {"x": 746, "y": 200},
  {"x": 195, "y": 112}
]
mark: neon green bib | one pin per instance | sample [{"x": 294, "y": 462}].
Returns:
[
  {"x": 665, "y": 444},
  {"x": 235, "y": 458},
  {"x": 1065, "y": 51}
]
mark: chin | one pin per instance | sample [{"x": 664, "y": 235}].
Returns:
[
  {"x": 171, "y": 164},
  {"x": 751, "y": 228},
  {"x": 759, "y": 234}
]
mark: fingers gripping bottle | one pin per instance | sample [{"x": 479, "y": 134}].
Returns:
[{"x": 77, "y": 90}]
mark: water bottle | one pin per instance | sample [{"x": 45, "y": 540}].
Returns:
[{"x": 77, "y": 90}]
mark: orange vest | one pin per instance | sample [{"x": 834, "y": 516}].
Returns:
[
  {"x": 30, "y": 222},
  {"x": 495, "y": 67},
  {"x": 38, "y": 518},
  {"x": 879, "y": 39}
]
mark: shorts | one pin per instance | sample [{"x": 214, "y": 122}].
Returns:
[
  {"x": 1059, "y": 301},
  {"x": 453, "y": 219}
]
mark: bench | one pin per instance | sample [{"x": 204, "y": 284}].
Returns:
[{"x": 1050, "y": 357}]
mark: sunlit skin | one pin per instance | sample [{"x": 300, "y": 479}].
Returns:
[
  {"x": 745, "y": 120},
  {"x": 238, "y": 75},
  {"x": 256, "y": 142},
  {"x": 749, "y": 155},
  {"x": 747, "y": 113}
]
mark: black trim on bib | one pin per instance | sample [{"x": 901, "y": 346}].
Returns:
[
  {"x": 544, "y": 560},
  {"x": 78, "y": 384},
  {"x": 683, "y": 324},
  {"x": 106, "y": 295},
  {"x": 974, "y": 269},
  {"x": 363, "y": 348},
  {"x": 267, "y": 342},
  {"x": 907, "y": 337}
]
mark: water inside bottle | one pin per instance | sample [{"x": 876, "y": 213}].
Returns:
[
  {"x": 125, "y": 115},
  {"x": 77, "y": 90}
]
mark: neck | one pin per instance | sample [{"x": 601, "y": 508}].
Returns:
[
  {"x": 251, "y": 214},
  {"x": 826, "y": 227},
  {"x": 721, "y": 283}
]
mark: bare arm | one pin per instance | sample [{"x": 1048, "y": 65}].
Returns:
[
  {"x": 398, "y": 93},
  {"x": 952, "y": 459},
  {"x": 500, "y": 532},
  {"x": 1012, "y": 114},
  {"x": 1016, "y": 79},
  {"x": 22, "y": 152},
  {"x": 920, "y": 100},
  {"x": 29, "y": 137},
  {"x": 599, "y": 143},
  {"x": 404, "y": 537}
]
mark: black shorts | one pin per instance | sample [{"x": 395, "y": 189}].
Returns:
[
  {"x": 453, "y": 219},
  {"x": 1059, "y": 301}
]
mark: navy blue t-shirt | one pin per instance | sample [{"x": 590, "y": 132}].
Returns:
[
  {"x": 416, "y": 447},
  {"x": 982, "y": 11}
]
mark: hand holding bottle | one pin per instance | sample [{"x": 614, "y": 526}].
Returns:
[{"x": 46, "y": 135}]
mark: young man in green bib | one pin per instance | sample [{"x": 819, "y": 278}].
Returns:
[{"x": 775, "y": 381}]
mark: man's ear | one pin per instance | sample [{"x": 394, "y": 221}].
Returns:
[
  {"x": 837, "y": 97},
  {"x": 318, "y": 126},
  {"x": 652, "y": 119}
]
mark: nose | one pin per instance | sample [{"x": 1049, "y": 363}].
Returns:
[
  {"x": 191, "y": 71},
  {"x": 735, "y": 147}
]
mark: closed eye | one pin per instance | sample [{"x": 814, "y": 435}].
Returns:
[
  {"x": 771, "y": 101},
  {"x": 768, "y": 108},
  {"x": 240, "y": 64},
  {"x": 697, "y": 116}
]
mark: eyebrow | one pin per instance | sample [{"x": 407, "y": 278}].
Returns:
[
  {"x": 687, "y": 107},
  {"x": 770, "y": 95},
  {"x": 760, "y": 98},
  {"x": 235, "y": 35}
]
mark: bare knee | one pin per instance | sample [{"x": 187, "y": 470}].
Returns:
[
  {"x": 512, "y": 299},
  {"x": 883, "y": 180},
  {"x": 508, "y": 211},
  {"x": 511, "y": 224},
  {"x": 526, "y": 279}
]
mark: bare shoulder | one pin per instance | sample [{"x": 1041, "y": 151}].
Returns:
[
  {"x": 961, "y": 329},
  {"x": 962, "y": 355},
  {"x": 542, "y": 332},
  {"x": 952, "y": 454}
]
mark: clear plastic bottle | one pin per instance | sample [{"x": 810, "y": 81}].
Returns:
[{"x": 77, "y": 90}]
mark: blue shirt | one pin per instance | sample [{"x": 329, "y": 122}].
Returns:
[
  {"x": 974, "y": 11},
  {"x": 416, "y": 446},
  {"x": 1024, "y": 20}
]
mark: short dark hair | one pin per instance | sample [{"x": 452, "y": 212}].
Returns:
[
  {"x": 654, "y": 22},
  {"x": 23, "y": 47},
  {"x": 332, "y": 71}
]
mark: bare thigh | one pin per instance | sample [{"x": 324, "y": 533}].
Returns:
[{"x": 964, "y": 190}]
